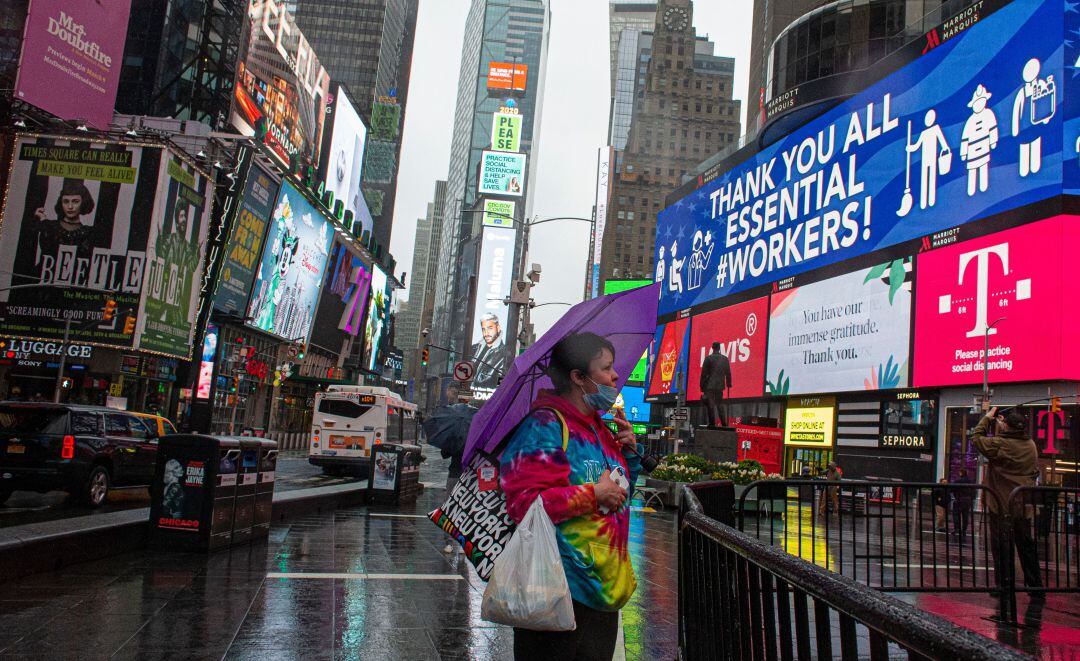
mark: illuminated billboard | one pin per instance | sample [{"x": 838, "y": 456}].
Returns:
[
  {"x": 809, "y": 421},
  {"x": 631, "y": 400},
  {"x": 287, "y": 285},
  {"x": 970, "y": 129},
  {"x": 344, "y": 158},
  {"x": 850, "y": 332},
  {"x": 668, "y": 357},
  {"x": 281, "y": 89},
  {"x": 345, "y": 291},
  {"x": 603, "y": 167},
  {"x": 506, "y": 130},
  {"x": 488, "y": 329},
  {"x": 742, "y": 331},
  {"x": 502, "y": 173},
  {"x": 499, "y": 213},
  {"x": 377, "y": 314},
  {"x": 1017, "y": 282},
  {"x": 244, "y": 247},
  {"x": 507, "y": 76}
]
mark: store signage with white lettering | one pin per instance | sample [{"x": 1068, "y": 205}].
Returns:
[
  {"x": 20, "y": 348},
  {"x": 901, "y": 441}
]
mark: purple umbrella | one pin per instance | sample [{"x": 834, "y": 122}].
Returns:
[{"x": 627, "y": 319}]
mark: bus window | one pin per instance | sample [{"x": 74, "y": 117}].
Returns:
[
  {"x": 393, "y": 425},
  {"x": 342, "y": 408}
]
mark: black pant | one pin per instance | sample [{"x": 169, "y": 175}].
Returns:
[
  {"x": 961, "y": 514},
  {"x": 592, "y": 640},
  {"x": 716, "y": 408},
  {"x": 1022, "y": 541}
]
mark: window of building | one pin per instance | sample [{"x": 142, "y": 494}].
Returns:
[
  {"x": 697, "y": 107},
  {"x": 629, "y": 215},
  {"x": 621, "y": 215}
]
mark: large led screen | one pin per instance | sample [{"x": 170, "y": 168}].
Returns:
[
  {"x": 488, "y": 349},
  {"x": 1014, "y": 281},
  {"x": 344, "y": 162},
  {"x": 294, "y": 257},
  {"x": 378, "y": 311},
  {"x": 245, "y": 243},
  {"x": 850, "y": 332},
  {"x": 502, "y": 173},
  {"x": 668, "y": 358},
  {"x": 742, "y": 331},
  {"x": 970, "y": 129},
  {"x": 345, "y": 290},
  {"x": 631, "y": 400}
]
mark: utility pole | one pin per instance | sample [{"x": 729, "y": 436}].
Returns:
[{"x": 986, "y": 362}]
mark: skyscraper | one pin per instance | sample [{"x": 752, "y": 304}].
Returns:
[
  {"x": 684, "y": 113},
  {"x": 367, "y": 44},
  {"x": 626, "y": 21},
  {"x": 417, "y": 315},
  {"x": 507, "y": 39}
]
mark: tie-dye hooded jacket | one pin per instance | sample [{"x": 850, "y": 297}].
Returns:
[{"x": 593, "y": 546}]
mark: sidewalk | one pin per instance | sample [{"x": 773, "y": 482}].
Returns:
[{"x": 357, "y": 583}]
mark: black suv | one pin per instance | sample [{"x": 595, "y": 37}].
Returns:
[{"x": 80, "y": 449}]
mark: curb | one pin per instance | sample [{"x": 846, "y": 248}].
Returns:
[{"x": 53, "y": 545}]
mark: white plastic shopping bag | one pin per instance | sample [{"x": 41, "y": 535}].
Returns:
[{"x": 528, "y": 587}]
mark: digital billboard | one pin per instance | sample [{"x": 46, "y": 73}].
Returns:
[
  {"x": 206, "y": 364},
  {"x": 810, "y": 421},
  {"x": 71, "y": 58},
  {"x": 850, "y": 332},
  {"x": 244, "y": 247},
  {"x": 281, "y": 89},
  {"x": 1016, "y": 278},
  {"x": 499, "y": 213},
  {"x": 603, "y": 167},
  {"x": 507, "y": 76},
  {"x": 493, "y": 278},
  {"x": 668, "y": 356},
  {"x": 631, "y": 400},
  {"x": 345, "y": 157},
  {"x": 742, "y": 331},
  {"x": 377, "y": 314},
  {"x": 506, "y": 130},
  {"x": 502, "y": 173},
  {"x": 294, "y": 257},
  {"x": 968, "y": 130},
  {"x": 68, "y": 225},
  {"x": 345, "y": 290},
  {"x": 174, "y": 261}
]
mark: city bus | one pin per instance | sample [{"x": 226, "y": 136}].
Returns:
[{"x": 349, "y": 420}]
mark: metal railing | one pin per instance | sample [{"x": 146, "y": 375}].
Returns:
[
  {"x": 1046, "y": 524},
  {"x": 741, "y": 598}
]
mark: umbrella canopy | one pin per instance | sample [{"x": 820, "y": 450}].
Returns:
[
  {"x": 627, "y": 319},
  {"x": 448, "y": 427}
]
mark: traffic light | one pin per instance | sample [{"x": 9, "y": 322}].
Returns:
[
  {"x": 1055, "y": 404},
  {"x": 129, "y": 324},
  {"x": 424, "y": 355},
  {"x": 109, "y": 311},
  {"x": 301, "y": 352},
  {"x": 235, "y": 384}
]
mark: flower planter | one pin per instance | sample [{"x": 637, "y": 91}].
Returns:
[{"x": 670, "y": 492}]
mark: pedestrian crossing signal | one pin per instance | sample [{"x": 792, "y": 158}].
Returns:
[{"x": 67, "y": 383}]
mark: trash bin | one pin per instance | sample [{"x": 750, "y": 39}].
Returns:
[
  {"x": 206, "y": 489},
  {"x": 395, "y": 473}
]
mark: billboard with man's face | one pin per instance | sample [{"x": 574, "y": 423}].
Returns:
[
  {"x": 77, "y": 218},
  {"x": 488, "y": 349},
  {"x": 281, "y": 89}
]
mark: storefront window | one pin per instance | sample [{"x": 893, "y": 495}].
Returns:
[{"x": 909, "y": 424}]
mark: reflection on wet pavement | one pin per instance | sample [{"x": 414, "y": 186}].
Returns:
[{"x": 341, "y": 585}]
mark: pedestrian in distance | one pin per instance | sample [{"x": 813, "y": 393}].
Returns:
[
  {"x": 1012, "y": 462},
  {"x": 941, "y": 507},
  {"x": 715, "y": 382},
  {"x": 963, "y": 501},
  {"x": 565, "y": 454},
  {"x": 830, "y": 495}
]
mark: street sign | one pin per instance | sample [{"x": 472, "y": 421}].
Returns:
[
  {"x": 680, "y": 414},
  {"x": 293, "y": 351},
  {"x": 464, "y": 370}
]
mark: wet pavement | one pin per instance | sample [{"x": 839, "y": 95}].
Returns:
[
  {"x": 358, "y": 583},
  {"x": 293, "y": 472}
]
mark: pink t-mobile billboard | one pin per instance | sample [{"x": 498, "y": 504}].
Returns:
[
  {"x": 71, "y": 57},
  {"x": 1015, "y": 278}
]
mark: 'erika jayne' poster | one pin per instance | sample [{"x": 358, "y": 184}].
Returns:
[{"x": 75, "y": 226}]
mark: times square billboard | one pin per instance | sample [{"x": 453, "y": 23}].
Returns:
[{"x": 973, "y": 128}]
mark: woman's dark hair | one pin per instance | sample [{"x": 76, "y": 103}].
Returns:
[
  {"x": 574, "y": 352},
  {"x": 74, "y": 187}
]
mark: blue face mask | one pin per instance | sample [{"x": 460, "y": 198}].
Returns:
[{"x": 604, "y": 397}]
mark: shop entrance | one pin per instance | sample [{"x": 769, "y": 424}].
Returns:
[{"x": 806, "y": 462}]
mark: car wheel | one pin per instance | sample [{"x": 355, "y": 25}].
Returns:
[{"x": 96, "y": 488}]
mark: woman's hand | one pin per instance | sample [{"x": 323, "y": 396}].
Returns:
[
  {"x": 609, "y": 495},
  {"x": 625, "y": 438}
]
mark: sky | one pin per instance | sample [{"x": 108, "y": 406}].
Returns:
[{"x": 573, "y": 127}]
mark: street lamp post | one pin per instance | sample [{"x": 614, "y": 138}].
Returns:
[{"x": 986, "y": 360}]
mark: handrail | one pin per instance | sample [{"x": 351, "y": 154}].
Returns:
[{"x": 919, "y": 632}]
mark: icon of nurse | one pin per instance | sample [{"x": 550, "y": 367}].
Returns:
[
  {"x": 675, "y": 279},
  {"x": 979, "y": 137},
  {"x": 699, "y": 259},
  {"x": 1038, "y": 97}
]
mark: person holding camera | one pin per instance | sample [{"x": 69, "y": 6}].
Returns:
[{"x": 1012, "y": 462}]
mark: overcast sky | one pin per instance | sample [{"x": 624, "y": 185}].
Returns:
[{"x": 573, "y": 126}]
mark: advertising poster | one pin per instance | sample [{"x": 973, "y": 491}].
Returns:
[
  {"x": 506, "y": 131},
  {"x": 507, "y": 76},
  {"x": 502, "y": 173},
  {"x": 76, "y": 218},
  {"x": 183, "y": 490},
  {"x": 245, "y": 244},
  {"x": 174, "y": 261},
  {"x": 1016, "y": 278},
  {"x": 970, "y": 129},
  {"x": 281, "y": 89},
  {"x": 669, "y": 356},
  {"x": 499, "y": 213},
  {"x": 206, "y": 364},
  {"x": 377, "y": 313},
  {"x": 851, "y": 332},
  {"x": 345, "y": 158},
  {"x": 493, "y": 279},
  {"x": 345, "y": 282},
  {"x": 288, "y": 281},
  {"x": 71, "y": 57},
  {"x": 809, "y": 421},
  {"x": 742, "y": 331}
]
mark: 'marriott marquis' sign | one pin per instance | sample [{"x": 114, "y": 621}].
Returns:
[{"x": 971, "y": 129}]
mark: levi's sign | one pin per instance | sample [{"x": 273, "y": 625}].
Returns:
[{"x": 971, "y": 129}]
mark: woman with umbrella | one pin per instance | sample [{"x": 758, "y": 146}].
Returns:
[{"x": 584, "y": 491}]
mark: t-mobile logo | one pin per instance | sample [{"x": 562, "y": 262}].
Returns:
[{"x": 982, "y": 261}]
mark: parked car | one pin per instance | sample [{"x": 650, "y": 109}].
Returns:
[
  {"x": 85, "y": 450},
  {"x": 162, "y": 426}
]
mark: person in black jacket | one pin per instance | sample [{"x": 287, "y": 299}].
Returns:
[
  {"x": 962, "y": 502},
  {"x": 715, "y": 381}
]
